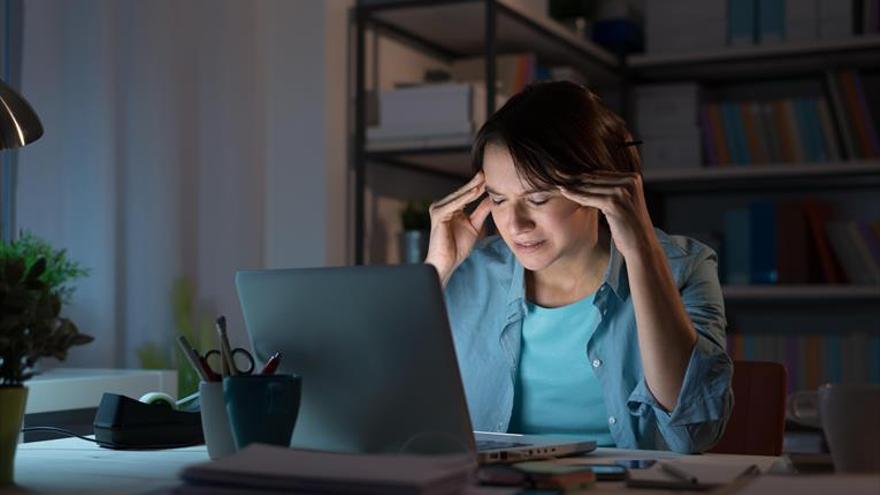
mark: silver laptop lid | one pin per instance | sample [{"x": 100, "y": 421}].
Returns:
[{"x": 374, "y": 348}]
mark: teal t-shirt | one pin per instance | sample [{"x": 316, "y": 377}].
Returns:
[{"x": 556, "y": 389}]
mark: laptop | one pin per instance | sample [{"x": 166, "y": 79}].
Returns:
[{"x": 375, "y": 351}]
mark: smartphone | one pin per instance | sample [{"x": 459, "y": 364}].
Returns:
[
  {"x": 636, "y": 463},
  {"x": 608, "y": 472}
]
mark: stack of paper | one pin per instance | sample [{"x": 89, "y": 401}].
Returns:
[
  {"x": 668, "y": 125},
  {"x": 429, "y": 115},
  {"x": 262, "y": 469}
]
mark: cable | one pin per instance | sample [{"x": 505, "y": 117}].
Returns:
[
  {"x": 69, "y": 433},
  {"x": 61, "y": 431}
]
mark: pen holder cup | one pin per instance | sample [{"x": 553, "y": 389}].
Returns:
[
  {"x": 262, "y": 408},
  {"x": 215, "y": 421}
]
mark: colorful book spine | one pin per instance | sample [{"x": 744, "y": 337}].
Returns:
[
  {"x": 716, "y": 122},
  {"x": 857, "y": 114},
  {"x": 842, "y": 117},
  {"x": 762, "y": 243},
  {"x": 866, "y": 114},
  {"x": 710, "y": 154}
]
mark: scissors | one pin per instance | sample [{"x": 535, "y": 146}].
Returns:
[{"x": 240, "y": 356}]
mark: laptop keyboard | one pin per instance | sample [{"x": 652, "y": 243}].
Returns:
[{"x": 483, "y": 445}]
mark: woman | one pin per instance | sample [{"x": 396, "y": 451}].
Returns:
[{"x": 580, "y": 317}]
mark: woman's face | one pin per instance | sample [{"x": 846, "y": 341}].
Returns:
[{"x": 540, "y": 226}]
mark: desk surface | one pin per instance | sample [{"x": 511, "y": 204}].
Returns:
[{"x": 71, "y": 465}]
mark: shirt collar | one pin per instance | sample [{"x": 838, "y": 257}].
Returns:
[
  {"x": 615, "y": 278},
  {"x": 615, "y": 275}
]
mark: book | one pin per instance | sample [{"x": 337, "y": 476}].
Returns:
[
  {"x": 792, "y": 244},
  {"x": 856, "y": 113},
  {"x": 736, "y": 256},
  {"x": 829, "y": 137},
  {"x": 785, "y": 130},
  {"x": 741, "y": 22},
  {"x": 841, "y": 116},
  {"x": 762, "y": 243},
  {"x": 268, "y": 467},
  {"x": 716, "y": 123},
  {"x": 771, "y": 21},
  {"x": 852, "y": 253},
  {"x": 757, "y": 152},
  {"x": 826, "y": 268}
]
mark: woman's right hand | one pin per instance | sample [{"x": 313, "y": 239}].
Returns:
[{"x": 453, "y": 232}]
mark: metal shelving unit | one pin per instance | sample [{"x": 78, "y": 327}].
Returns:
[{"x": 449, "y": 30}]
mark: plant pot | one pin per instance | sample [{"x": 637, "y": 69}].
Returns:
[
  {"x": 12, "y": 401},
  {"x": 414, "y": 246}
]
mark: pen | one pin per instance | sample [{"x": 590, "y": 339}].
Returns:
[
  {"x": 679, "y": 473},
  {"x": 192, "y": 357},
  {"x": 228, "y": 367},
  {"x": 271, "y": 364}
]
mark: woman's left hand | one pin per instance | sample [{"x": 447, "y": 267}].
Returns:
[{"x": 621, "y": 198}]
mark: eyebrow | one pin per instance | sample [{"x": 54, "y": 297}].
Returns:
[{"x": 530, "y": 191}]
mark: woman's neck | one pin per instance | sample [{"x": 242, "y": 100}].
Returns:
[{"x": 570, "y": 278}]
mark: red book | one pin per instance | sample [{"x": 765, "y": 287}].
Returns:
[
  {"x": 825, "y": 267},
  {"x": 792, "y": 244}
]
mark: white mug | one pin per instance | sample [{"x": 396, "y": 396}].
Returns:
[
  {"x": 215, "y": 421},
  {"x": 850, "y": 416}
]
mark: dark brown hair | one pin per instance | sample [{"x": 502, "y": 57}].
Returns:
[{"x": 556, "y": 131}]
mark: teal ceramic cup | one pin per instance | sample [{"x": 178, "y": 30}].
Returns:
[{"x": 262, "y": 408}]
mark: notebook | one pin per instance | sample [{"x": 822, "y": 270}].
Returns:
[{"x": 260, "y": 468}]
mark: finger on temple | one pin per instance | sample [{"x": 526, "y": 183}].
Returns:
[
  {"x": 478, "y": 216},
  {"x": 460, "y": 199},
  {"x": 598, "y": 189}
]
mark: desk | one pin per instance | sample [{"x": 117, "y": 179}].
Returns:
[{"x": 71, "y": 465}]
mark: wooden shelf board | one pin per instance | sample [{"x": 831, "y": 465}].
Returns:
[
  {"x": 457, "y": 28},
  {"x": 805, "y": 292},
  {"x": 759, "y": 60},
  {"x": 753, "y": 176}
]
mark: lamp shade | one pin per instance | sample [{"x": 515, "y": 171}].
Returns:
[{"x": 19, "y": 124}]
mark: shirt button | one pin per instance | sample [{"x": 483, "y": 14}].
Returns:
[
  {"x": 597, "y": 363},
  {"x": 604, "y": 310},
  {"x": 612, "y": 420}
]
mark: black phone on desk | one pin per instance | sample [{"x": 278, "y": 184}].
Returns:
[{"x": 608, "y": 472}]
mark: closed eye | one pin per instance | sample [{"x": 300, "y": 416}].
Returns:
[
  {"x": 538, "y": 202},
  {"x": 496, "y": 201}
]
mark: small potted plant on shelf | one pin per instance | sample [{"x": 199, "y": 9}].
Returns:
[
  {"x": 416, "y": 231},
  {"x": 33, "y": 290}
]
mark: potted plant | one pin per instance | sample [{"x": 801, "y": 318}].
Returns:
[
  {"x": 33, "y": 289},
  {"x": 416, "y": 221}
]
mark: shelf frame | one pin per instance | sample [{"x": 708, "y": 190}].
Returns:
[{"x": 370, "y": 17}]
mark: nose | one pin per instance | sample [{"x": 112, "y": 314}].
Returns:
[{"x": 519, "y": 221}]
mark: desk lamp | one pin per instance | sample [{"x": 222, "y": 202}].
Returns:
[{"x": 19, "y": 126}]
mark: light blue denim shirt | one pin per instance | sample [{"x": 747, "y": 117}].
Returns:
[{"x": 485, "y": 298}]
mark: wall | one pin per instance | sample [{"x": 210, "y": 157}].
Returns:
[{"x": 183, "y": 140}]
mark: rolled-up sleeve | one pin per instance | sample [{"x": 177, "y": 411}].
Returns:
[{"x": 705, "y": 400}]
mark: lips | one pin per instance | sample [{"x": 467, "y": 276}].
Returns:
[{"x": 528, "y": 245}]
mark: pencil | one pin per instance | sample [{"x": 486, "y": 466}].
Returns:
[
  {"x": 192, "y": 357},
  {"x": 225, "y": 351}
]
